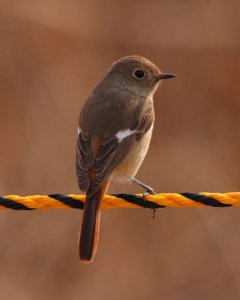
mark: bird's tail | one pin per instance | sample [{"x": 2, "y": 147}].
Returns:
[{"x": 90, "y": 225}]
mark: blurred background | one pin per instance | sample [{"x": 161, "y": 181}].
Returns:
[{"x": 51, "y": 55}]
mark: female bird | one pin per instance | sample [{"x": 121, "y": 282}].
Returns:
[{"x": 114, "y": 133}]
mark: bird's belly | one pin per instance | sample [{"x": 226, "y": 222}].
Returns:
[{"x": 130, "y": 165}]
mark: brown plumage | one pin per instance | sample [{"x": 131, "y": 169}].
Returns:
[{"x": 115, "y": 129}]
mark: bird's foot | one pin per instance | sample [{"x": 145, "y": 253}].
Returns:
[{"x": 148, "y": 190}]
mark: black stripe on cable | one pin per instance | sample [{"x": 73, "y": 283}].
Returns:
[
  {"x": 206, "y": 200},
  {"x": 8, "y": 203},
  {"x": 139, "y": 201},
  {"x": 71, "y": 202}
]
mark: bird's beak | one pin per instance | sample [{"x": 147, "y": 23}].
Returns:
[{"x": 165, "y": 76}]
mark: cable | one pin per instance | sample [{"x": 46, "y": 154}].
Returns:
[{"x": 122, "y": 200}]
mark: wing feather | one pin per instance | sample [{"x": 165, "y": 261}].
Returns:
[
  {"x": 85, "y": 160},
  {"x": 109, "y": 155}
]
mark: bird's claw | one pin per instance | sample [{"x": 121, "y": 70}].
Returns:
[{"x": 145, "y": 194}]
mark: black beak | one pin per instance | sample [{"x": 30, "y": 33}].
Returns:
[{"x": 165, "y": 76}]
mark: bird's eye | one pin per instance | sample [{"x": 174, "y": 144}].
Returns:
[{"x": 139, "y": 74}]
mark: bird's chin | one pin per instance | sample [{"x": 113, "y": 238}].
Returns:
[{"x": 156, "y": 85}]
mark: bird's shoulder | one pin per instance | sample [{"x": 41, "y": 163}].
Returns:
[{"x": 105, "y": 114}]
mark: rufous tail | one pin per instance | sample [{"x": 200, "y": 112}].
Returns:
[{"x": 90, "y": 225}]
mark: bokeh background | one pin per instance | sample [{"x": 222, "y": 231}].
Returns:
[{"x": 51, "y": 55}]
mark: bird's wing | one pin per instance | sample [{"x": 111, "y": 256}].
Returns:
[
  {"x": 111, "y": 152},
  {"x": 84, "y": 160}
]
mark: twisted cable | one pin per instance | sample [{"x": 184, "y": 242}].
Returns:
[{"x": 122, "y": 200}]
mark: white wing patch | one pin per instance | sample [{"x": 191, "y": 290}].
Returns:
[
  {"x": 122, "y": 134},
  {"x": 78, "y": 130}
]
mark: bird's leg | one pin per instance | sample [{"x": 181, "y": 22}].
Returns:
[{"x": 149, "y": 190}]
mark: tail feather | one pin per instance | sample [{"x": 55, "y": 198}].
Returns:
[{"x": 90, "y": 225}]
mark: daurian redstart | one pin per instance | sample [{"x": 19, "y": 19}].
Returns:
[{"x": 114, "y": 133}]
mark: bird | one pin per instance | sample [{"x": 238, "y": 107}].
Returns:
[{"x": 114, "y": 132}]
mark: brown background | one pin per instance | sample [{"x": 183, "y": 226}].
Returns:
[{"x": 51, "y": 55}]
